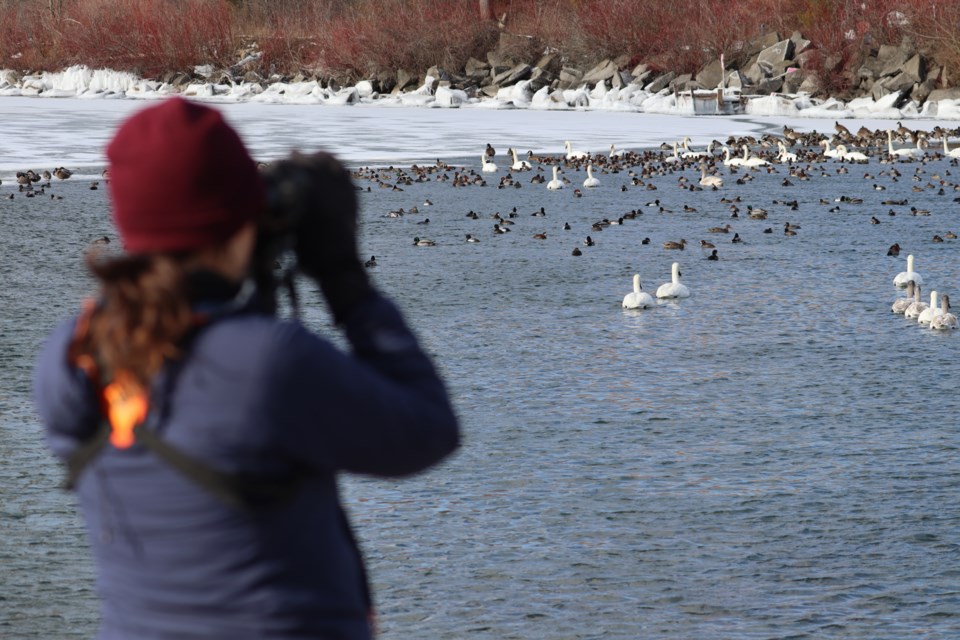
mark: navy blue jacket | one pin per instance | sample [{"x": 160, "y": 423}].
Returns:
[{"x": 255, "y": 395}]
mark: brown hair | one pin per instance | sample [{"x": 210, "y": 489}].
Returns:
[{"x": 141, "y": 317}]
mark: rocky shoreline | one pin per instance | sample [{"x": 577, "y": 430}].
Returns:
[{"x": 895, "y": 81}]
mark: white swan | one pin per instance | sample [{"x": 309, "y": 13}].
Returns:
[
  {"x": 851, "y": 156},
  {"x": 673, "y": 289},
  {"x": 616, "y": 153},
  {"x": 574, "y": 155},
  {"x": 916, "y": 307},
  {"x": 487, "y": 165},
  {"x": 784, "y": 155},
  {"x": 590, "y": 181},
  {"x": 950, "y": 153},
  {"x": 556, "y": 183},
  {"x": 909, "y": 275},
  {"x": 902, "y": 153},
  {"x": 752, "y": 161},
  {"x": 709, "y": 181},
  {"x": 931, "y": 311},
  {"x": 945, "y": 320},
  {"x": 690, "y": 153},
  {"x": 638, "y": 298},
  {"x": 900, "y": 304},
  {"x": 827, "y": 151},
  {"x": 675, "y": 157},
  {"x": 519, "y": 165}
]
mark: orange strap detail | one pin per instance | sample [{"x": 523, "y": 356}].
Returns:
[{"x": 126, "y": 404}]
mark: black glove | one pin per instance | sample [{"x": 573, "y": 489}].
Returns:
[{"x": 316, "y": 194}]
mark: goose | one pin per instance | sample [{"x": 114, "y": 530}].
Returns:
[
  {"x": 488, "y": 165},
  {"x": 904, "y": 277},
  {"x": 556, "y": 183},
  {"x": 590, "y": 182},
  {"x": 423, "y": 242},
  {"x": 519, "y": 165},
  {"x": 902, "y": 153},
  {"x": 950, "y": 153},
  {"x": 784, "y": 155},
  {"x": 931, "y": 311},
  {"x": 850, "y": 156},
  {"x": 900, "y": 304},
  {"x": 709, "y": 181},
  {"x": 674, "y": 288},
  {"x": 945, "y": 320},
  {"x": 574, "y": 155},
  {"x": 638, "y": 298},
  {"x": 916, "y": 307}
]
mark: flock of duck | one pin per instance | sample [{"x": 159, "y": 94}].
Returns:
[
  {"x": 935, "y": 315},
  {"x": 800, "y": 156}
]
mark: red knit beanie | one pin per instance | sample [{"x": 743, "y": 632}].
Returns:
[{"x": 180, "y": 179}]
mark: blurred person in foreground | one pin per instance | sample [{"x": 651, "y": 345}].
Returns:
[{"x": 202, "y": 433}]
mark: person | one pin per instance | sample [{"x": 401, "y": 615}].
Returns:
[{"x": 204, "y": 434}]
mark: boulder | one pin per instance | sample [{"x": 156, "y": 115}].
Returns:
[
  {"x": 762, "y": 42},
  {"x": 512, "y": 49},
  {"x": 913, "y": 68},
  {"x": 899, "y": 82},
  {"x": 642, "y": 78},
  {"x": 710, "y": 75},
  {"x": 405, "y": 80},
  {"x": 639, "y": 70},
  {"x": 800, "y": 44},
  {"x": 550, "y": 62},
  {"x": 512, "y": 76},
  {"x": 679, "y": 83},
  {"x": 777, "y": 53},
  {"x": 570, "y": 77},
  {"x": 769, "y": 85},
  {"x": 661, "y": 82},
  {"x": 476, "y": 68},
  {"x": 922, "y": 90},
  {"x": 792, "y": 81},
  {"x": 953, "y": 93},
  {"x": 734, "y": 80},
  {"x": 810, "y": 85},
  {"x": 892, "y": 59},
  {"x": 600, "y": 73}
]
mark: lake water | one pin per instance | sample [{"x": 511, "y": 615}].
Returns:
[{"x": 774, "y": 457}]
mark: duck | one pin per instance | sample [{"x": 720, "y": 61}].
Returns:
[
  {"x": 675, "y": 245},
  {"x": 946, "y": 320},
  {"x": 706, "y": 245},
  {"x": 588, "y": 241},
  {"x": 674, "y": 288},
  {"x": 724, "y": 229},
  {"x": 736, "y": 238},
  {"x": 904, "y": 277},
  {"x": 638, "y": 298},
  {"x": 472, "y": 238},
  {"x": 713, "y": 255},
  {"x": 556, "y": 183},
  {"x": 372, "y": 262},
  {"x": 915, "y": 308},
  {"x": 62, "y": 173},
  {"x": 931, "y": 311},
  {"x": 576, "y": 252},
  {"x": 540, "y": 236},
  {"x": 900, "y": 304},
  {"x": 423, "y": 242},
  {"x": 590, "y": 182},
  {"x": 894, "y": 250},
  {"x": 488, "y": 166}
]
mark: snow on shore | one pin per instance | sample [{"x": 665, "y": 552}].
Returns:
[{"x": 83, "y": 82}]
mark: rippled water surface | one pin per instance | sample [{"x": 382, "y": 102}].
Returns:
[{"x": 774, "y": 457}]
